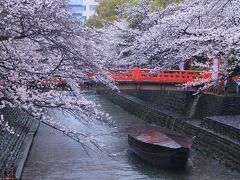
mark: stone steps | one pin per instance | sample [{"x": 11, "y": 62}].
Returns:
[{"x": 227, "y": 128}]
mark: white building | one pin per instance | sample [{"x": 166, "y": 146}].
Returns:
[
  {"x": 91, "y": 6},
  {"x": 83, "y": 9}
]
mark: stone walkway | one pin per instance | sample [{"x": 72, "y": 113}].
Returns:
[{"x": 231, "y": 120}]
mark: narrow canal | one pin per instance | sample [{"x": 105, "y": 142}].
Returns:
[{"x": 56, "y": 157}]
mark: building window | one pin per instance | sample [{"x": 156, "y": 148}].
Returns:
[
  {"x": 83, "y": 18},
  {"x": 77, "y": 14},
  {"x": 78, "y": 7},
  {"x": 75, "y": 1},
  {"x": 92, "y": 7}
]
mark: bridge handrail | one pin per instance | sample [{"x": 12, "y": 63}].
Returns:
[{"x": 145, "y": 74}]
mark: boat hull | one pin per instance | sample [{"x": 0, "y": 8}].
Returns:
[{"x": 160, "y": 156}]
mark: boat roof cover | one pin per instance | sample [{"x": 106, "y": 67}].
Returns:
[{"x": 157, "y": 138}]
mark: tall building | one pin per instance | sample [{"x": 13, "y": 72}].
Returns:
[{"x": 83, "y": 9}]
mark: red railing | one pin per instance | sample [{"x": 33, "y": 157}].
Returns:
[{"x": 145, "y": 75}]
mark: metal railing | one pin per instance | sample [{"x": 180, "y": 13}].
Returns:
[{"x": 145, "y": 75}]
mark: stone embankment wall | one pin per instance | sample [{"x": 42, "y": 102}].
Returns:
[
  {"x": 182, "y": 101},
  {"x": 211, "y": 105},
  {"x": 209, "y": 140},
  {"x": 11, "y": 145},
  {"x": 177, "y": 100}
]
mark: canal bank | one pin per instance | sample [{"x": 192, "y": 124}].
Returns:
[
  {"x": 55, "y": 156},
  {"x": 14, "y": 148},
  {"x": 171, "y": 109}
]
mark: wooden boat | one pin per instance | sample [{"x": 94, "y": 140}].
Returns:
[{"x": 162, "y": 148}]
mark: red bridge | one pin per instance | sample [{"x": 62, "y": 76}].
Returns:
[{"x": 145, "y": 75}]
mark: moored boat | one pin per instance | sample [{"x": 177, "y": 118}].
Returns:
[{"x": 163, "y": 148}]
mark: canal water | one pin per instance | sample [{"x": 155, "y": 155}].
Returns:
[{"x": 55, "y": 156}]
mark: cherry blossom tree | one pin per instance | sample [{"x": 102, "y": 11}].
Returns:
[
  {"x": 173, "y": 34},
  {"x": 41, "y": 40},
  {"x": 116, "y": 40}
]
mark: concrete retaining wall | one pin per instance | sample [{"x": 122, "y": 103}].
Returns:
[
  {"x": 210, "y": 105},
  {"x": 177, "y": 100},
  {"x": 13, "y": 147},
  {"x": 182, "y": 102},
  {"x": 10, "y": 144}
]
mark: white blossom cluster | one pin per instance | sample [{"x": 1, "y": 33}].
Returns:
[
  {"x": 4, "y": 125},
  {"x": 39, "y": 40},
  {"x": 170, "y": 35}
]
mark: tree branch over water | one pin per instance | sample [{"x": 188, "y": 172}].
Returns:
[{"x": 39, "y": 41}]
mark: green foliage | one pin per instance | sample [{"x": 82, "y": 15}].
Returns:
[
  {"x": 94, "y": 21},
  {"x": 163, "y": 3},
  {"x": 107, "y": 10}
]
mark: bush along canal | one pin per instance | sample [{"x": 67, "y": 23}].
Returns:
[{"x": 55, "y": 156}]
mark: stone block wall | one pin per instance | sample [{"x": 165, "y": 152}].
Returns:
[
  {"x": 211, "y": 105},
  {"x": 178, "y": 100},
  {"x": 226, "y": 125},
  {"x": 182, "y": 102},
  {"x": 212, "y": 144},
  {"x": 10, "y": 144}
]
